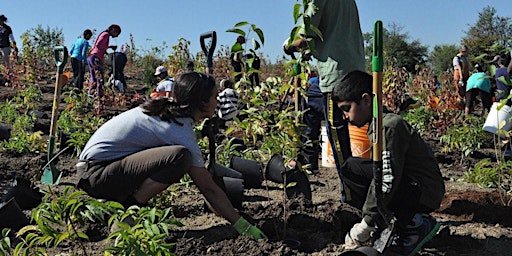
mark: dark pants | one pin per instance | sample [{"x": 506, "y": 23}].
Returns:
[
  {"x": 311, "y": 139},
  {"x": 119, "y": 179},
  {"x": 237, "y": 67},
  {"x": 484, "y": 96},
  {"x": 337, "y": 132},
  {"x": 78, "y": 67},
  {"x": 357, "y": 174}
]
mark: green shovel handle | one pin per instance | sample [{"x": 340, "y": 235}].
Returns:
[
  {"x": 377, "y": 57},
  {"x": 60, "y": 63}
]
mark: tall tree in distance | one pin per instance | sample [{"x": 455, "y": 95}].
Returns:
[{"x": 489, "y": 36}]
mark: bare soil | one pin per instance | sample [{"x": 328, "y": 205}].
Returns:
[{"x": 475, "y": 221}]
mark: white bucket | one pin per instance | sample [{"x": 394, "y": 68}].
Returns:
[
  {"x": 498, "y": 120},
  {"x": 327, "y": 155}
]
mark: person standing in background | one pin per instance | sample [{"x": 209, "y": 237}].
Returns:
[
  {"x": 7, "y": 43},
  {"x": 78, "y": 56},
  {"x": 338, "y": 52},
  {"x": 461, "y": 71},
  {"x": 237, "y": 51},
  {"x": 95, "y": 60}
]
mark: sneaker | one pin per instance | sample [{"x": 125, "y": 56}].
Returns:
[{"x": 413, "y": 238}]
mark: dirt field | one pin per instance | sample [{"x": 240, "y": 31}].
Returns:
[{"x": 474, "y": 222}]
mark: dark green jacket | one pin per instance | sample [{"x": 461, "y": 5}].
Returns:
[{"x": 411, "y": 157}]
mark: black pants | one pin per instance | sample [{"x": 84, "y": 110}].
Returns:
[
  {"x": 358, "y": 175},
  {"x": 78, "y": 73}
]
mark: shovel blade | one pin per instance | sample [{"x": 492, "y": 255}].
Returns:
[{"x": 51, "y": 176}]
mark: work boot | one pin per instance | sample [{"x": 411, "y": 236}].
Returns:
[{"x": 412, "y": 239}]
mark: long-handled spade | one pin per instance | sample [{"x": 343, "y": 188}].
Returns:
[
  {"x": 384, "y": 238},
  {"x": 51, "y": 175},
  {"x": 208, "y": 51}
]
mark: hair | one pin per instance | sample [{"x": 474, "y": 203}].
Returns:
[
  {"x": 87, "y": 32},
  {"x": 240, "y": 39},
  {"x": 3, "y": 18},
  {"x": 226, "y": 83},
  {"x": 352, "y": 87},
  {"x": 114, "y": 26},
  {"x": 192, "y": 91}
]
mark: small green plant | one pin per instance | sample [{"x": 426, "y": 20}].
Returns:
[
  {"x": 420, "y": 118},
  {"x": 146, "y": 236},
  {"x": 489, "y": 174},
  {"x": 5, "y": 243},
  {"x": 466, "y": 136},
  {"x": 61, "y": 218}
]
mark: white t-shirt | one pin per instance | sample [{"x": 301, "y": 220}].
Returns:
[
  {"x": 166, "y": 85},
  {"x": 133, "y": 131}
]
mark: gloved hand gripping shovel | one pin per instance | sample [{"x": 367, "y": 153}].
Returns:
[
  {"x": 381, "y": 187},
  {"x": 209, "y": 51},
  {"x": 51, "y": 175}
]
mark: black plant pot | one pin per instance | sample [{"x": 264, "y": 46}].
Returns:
[
  {"x": 26, "y": 195},
  {"x": 223, "y": 171},
  {"x": 234, "y": 189},
  {"x": 11, "y": 216},
  {"x": 301, "y": 186},
  {"x": 250, "y": 169},
  {"x": 275, "y": 169},
  {"x": 5, "y": 133}
]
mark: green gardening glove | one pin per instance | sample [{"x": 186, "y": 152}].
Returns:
[{"x": 246, "y": 229}]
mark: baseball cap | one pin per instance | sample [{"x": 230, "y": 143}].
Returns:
[{"x": 160, "y": 70}]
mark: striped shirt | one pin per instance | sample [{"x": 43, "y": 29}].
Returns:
[{"x": 227, "y": 104}]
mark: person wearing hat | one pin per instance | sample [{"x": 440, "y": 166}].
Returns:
[
  {"x": 6, "y": 38},
  {"x": 461, "y": 71},
  {"x": 95, "y": 59},
  {"x": 164, "y": 88},
  {"x": 227, "y": 105}
]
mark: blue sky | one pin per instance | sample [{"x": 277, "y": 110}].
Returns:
[{"x": 152, "y": 22}]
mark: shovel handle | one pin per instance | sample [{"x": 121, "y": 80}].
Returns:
[
  {"x": 60, "y": 63},
  {"x": 208, "y": 51}
]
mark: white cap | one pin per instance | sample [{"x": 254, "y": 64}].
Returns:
[{"x": 160, "y": 70}]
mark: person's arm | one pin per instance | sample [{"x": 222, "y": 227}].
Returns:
[
  {"x": 13, "y": 41},
  {"x": 221, "y": 204},
  {"x": 85, "y": 46},
  {"x": 213, "y": 193}
]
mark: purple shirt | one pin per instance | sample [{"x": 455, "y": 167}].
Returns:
[{"x": 101, "y": 45}]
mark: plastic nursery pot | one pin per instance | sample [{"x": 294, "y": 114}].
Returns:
[
  {"x": 27, "y": 196},
  {"x": 275, "y": 169},
  {"x": 5, "y": 133},
  {"x": 223, "y": 171},
  {"x": 234, "y": 189},
  {"x": 292, "y": 243},
  {"x": 250, "y": 169},
  {"x": 11, "y": 216},
  {"x": 361, "y": 251},
  {"x": 297, "y": 183}
]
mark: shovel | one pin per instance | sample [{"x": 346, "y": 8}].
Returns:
[
  {"x": 384, "y": 239},
  {"x": 51, "y": 175},
  {"x": 209, "y": 51}
]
